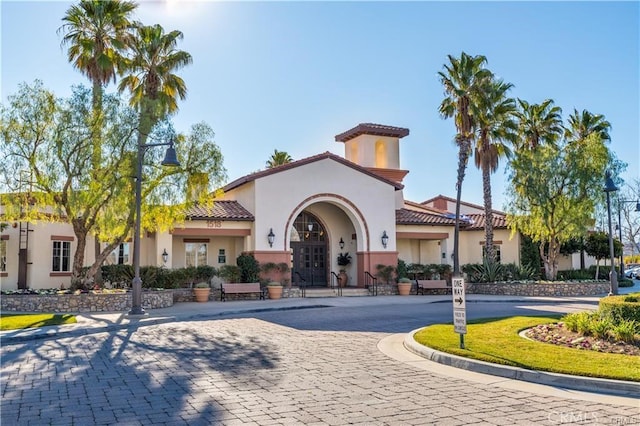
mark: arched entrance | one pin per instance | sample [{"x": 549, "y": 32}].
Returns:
[{"x": 309, "y": 249}]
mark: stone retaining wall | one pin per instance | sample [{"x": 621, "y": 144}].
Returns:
[
  {"x": 85, "y": 302},
  {"x": 566, "y": 289}
]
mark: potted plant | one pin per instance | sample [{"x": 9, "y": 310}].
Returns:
[
  {"x": 274, "y": 288},
  {"x": 201, "y": 291},
  {"x": 404, "y": 286},
  {"x": 344, "y": 259}
]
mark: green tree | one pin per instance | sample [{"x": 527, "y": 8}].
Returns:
[
  {"x": 597, "y": 245},
  {"x": 462, "y": 79},
  {"x": 496, "y": 130},
  {"x": 538, "y": 124},
  {"x": 52, "y": 139},
  {"x": 278, "y": 158},
  {"x": 553, "y": 193}
]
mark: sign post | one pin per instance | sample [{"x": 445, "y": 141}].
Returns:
[{"x": 459, "y": 308}]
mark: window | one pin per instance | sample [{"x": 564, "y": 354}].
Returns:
[
  {"x": 3, "y": 255},
  {"x": 222, "y": 258},
  {"x": 196, "y": 254},
  {"x": 61, "y": 261},
  {"x": 119, "y": 256},
  {"x": 497, "y": 249}
]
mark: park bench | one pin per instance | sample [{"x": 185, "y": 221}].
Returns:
[
  {"x": 240, "y": 288},
  {"x": 422, "y": 285}
]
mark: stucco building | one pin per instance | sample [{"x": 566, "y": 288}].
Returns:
[{"x": 303, "y": 214}]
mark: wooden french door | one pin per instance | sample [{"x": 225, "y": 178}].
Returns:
[
  {"x": 309, "y": 260},
  {"x": 309, "y": 249}
]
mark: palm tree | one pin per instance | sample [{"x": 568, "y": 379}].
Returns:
[
  {"x": 496, "y": 129},
  {"x": 153, "y": 86},
  {"x": 538, "y": 123},
  {"x": 278, "y": 158},
  {"x": 96, "y": 33},
  {"x": 462, "y": 79},
  {"x": 584, "y": 124}
]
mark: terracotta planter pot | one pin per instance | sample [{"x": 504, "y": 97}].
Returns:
[
  {"x": 275, "y": 292},
  {"x": 343, "y": 279},
  {"x": 201, "y": 294},
  {"x": 404, "y": 289}
]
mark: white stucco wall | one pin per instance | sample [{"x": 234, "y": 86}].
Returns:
[{"x": 281, "y": 196}]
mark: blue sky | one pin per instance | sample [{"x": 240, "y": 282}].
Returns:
[{"x": 292, "y": 75}]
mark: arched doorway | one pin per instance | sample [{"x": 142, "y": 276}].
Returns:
[{"x": 309, "y": 248}]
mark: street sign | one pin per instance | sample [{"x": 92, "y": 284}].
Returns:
[
  {"x": 459, "y": 307},
  {"x": 460, "y": 321},
  {"x": 457, "y": 291}
]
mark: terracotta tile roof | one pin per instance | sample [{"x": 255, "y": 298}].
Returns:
[
  {"x": 221, "y": 210},
  {"x": 477, "y": 221},
  {"x": 372, "y": 129},
  {"x": 326, "y": 155},
  {"x": 414, "y": 217}
]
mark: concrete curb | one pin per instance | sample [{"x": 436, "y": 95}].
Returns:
[{"x": 587, "y": 384}]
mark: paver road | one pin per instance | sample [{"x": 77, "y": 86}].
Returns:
[{"x": 247, "y": 371}]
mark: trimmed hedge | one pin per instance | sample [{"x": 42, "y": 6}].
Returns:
[{"x": 618, "y": 308}]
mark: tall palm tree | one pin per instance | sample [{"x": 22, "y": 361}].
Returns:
[
  {"x": 278, "y": 158},
  {"x": 96, "y": 33},
  {"x": 496, "y": 130},
  {"x": 462, "y": 79},
  {"x": 538, "y": 123},
  {"x": 150, "y": 79},
  {"x": 584, "y": 124}
]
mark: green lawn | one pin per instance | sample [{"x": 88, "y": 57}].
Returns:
[
  {"x": 496, "y": 340},
  {"x": 20, "y": 321}
]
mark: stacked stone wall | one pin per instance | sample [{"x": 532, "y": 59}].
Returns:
[
  {"x": 555, "y": 289},
  {"x": 85, "y": 302}
]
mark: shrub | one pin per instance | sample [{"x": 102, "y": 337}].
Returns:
[
  {"x": 230, "y": 273},
  {"x": 571, "y": 321},
  {"x": 584, "y": 322},
  {"x": 619, "y": 308},
  {"x": 626, "y": 330},
  {"x": 401, "y": 269},
  {"x": 601, "y": 327},
  {"x": 249, "y": 268},
  {"x": 385, "y": 272}
]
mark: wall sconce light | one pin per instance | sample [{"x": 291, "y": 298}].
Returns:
[
  {"x": 165, "y": 255},
  {"x": 341, "y": 243},
  {"x": 385, "y": 239},
  {"x": 310, "y": 227},
  {"x": 271, "y": 237}
]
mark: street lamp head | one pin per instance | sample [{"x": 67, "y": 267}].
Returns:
[
  {"x": 170, "y": 157},
  {"x": 609, "y": 185}
]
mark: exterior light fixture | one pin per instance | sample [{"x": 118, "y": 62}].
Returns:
[
  {"x": 341, "y": 243},
  {"x": 271, "y": 237},
  {"x": 170, "y": 159},
  {"x": 165, "y": 256},
  {"x": 385, "y": 239},
  {"x": 610, "y": 186}
]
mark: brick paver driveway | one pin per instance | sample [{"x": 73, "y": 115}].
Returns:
[{"x": 249, "y": 371}]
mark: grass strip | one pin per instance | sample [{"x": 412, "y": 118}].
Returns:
[
  {"x": 20, "y": 321},
  {"x": 496, "y": 340}
]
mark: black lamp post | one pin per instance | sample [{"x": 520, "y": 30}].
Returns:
[
  {"x": 620, "y": 203},
  {"x": 609, "y": 187},
  {"x": 170, "y": 159}
]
